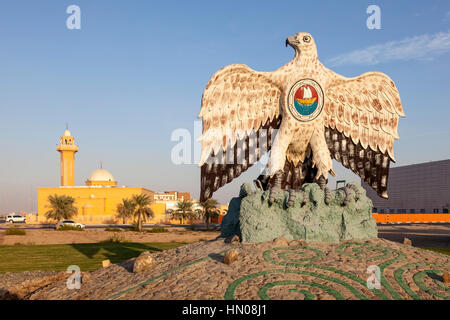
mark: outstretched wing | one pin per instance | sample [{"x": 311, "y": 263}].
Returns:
[
  {"x": 239, "y": 105},
  {"x": 361, "y": 116}
]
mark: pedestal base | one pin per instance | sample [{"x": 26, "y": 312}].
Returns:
[{"x": 252, "y": 218}]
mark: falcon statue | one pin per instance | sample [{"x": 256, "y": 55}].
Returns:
[{"x": 313, "y": 116}]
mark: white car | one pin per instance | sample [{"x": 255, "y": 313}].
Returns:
[
  {"x": 72, "y": 224},
  {"x": 13, "y": 218}
]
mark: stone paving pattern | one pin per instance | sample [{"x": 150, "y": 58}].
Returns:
[
  {"x": 270, "y": 270},
  {"x": 17, "y": 285}
]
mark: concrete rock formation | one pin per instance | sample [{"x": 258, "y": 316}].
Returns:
[
  {"x": 446, "y": 278},
  {"x": 144, "y": 262},
  {"x": 280, "y": 242},
  {"x": 233, "y": 239},
  {"x": 347, "y": 216},
  {"x": 230, "y": 256}
]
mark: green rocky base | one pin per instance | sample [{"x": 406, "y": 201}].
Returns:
[{"x": 252, "y": 218}]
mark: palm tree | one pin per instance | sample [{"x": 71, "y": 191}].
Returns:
[
  {"x": 61, "y": 208},
  {"x": 142, "y": 210},
  {"x": 125, "y": 209},
  {"x": 209, "y": 206},
  {"x": 184, "y": 209}
]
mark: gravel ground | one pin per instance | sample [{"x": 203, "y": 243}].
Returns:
[
  {"x": 11, "y": 283},
  {"x": 281, "y": 270}
]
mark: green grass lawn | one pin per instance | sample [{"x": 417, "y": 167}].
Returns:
[
  {"x": 88, "y": 256},
  {"x": 440, "y": 250}
]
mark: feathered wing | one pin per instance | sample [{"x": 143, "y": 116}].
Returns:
[
  {"x": 361, "y": 119},
  {"x": 239, "y": 107}
]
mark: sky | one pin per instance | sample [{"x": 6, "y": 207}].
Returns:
[{"x": 135, "y": 72}]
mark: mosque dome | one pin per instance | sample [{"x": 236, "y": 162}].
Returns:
[
  {"x": 67, "y": 133},
  {"x": 101, "y": 175}
]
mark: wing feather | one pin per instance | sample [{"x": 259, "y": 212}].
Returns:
[
  {"x": 374, "y": 105},
  {"x": 236, "y": 98},
  {"x": 237, "y": 104}
]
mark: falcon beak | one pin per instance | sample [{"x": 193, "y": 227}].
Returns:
[{"x": 291, "y": 41}]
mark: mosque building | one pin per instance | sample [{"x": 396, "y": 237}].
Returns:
[{"x": 97, "y": 200}]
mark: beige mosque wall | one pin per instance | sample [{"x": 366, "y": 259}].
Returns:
[{"x": 96, "y": 204}]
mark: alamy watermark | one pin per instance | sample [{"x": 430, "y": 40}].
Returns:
[
  {"x": 74, "y": 20},
  {"x": 74, "y": 280},
  {"x": 252, "y": 146},
  {"x": 374, "y": 280},
  {"x": 374, "y": 20}
]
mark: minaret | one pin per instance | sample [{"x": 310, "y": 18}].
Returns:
[{"x": 67, "y": 148}]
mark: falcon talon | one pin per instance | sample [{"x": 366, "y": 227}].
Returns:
[
  {"x": 347, "y": 195},
  {"x": 258, "y": 184},
  {"x": 292, "y": 197},
  {"x": 278, "y": 178},
  {"x": 305, "y": 198},
  {"x": 356, "y": 190},
  {"x": 327, "y": 193},
  {"x": 272, "y": 195}
]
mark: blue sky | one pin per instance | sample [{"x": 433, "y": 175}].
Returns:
[{"x": 137, "y": 69}]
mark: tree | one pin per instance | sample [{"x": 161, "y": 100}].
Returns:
[
  {"x": 125, "y": 209},
  {"x": 184, "y": 209},
  {"x": 209, "y": 207},
  {"x": 177, "y": 214},
  {"x": 61, "y": 208},
  {"x": 142, "y": 210}
]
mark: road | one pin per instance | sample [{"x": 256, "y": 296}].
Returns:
[
  {"x": 422, "y": 235},
  {"x": 4, "y": 226}
]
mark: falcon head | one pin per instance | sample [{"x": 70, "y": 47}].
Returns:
[{"x": 302, "y": 42}]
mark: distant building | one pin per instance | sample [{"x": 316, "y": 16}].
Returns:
[
  {"x": 169, "y": 200},
  {"x": 97, "y": 200},
  {"x": 172, "y": 196},
  {"x": 417, "y": 188}
]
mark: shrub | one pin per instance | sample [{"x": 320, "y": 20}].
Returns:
[
  {"x": 134, "y": 227},
  {"x": 158, "y": 230},
  {"x": 66, "y": 228},
  {"x": 15, "y": 232},
  {"x": 113, "y": 229},
  {"x": 116, "y": 238}
]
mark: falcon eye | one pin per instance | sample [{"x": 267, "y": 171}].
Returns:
[{"x": 306, "y": 38}]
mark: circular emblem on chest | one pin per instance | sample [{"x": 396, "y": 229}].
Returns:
[{"x": 305, "y": 100}]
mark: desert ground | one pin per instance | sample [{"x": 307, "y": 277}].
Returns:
[
  {"x": 422, "y": 235},
  {"x": 47, "y": 236},
  {"x": 271, "y": 270}
]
